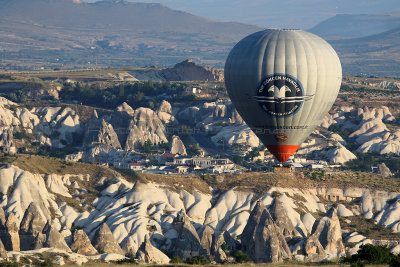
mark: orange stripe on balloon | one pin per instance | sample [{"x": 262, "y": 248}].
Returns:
[{"x": 282, "y": 152}]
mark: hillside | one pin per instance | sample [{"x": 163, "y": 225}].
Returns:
[
  {"x": 107, "y": 31},
  {"x": 68, "y": 34},
  {"x": 344, "y": 26},
  {"x": 375, "y": 54}
]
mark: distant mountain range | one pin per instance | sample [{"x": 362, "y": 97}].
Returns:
[
  {"x": 367, "y": 44},
  {"x": 71, "y": 34},
  {"x": 114, "y": 26},
  {"x": 377, "y": 54},
  {"x": 355, "y": 26}
]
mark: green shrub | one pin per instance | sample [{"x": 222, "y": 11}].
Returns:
[
  {"x": 370, "y": 254},
  {"x": 176, "y": 259},
  {"x": 127, "y": 260},
  {"x": 374, "y": 254},
  {"x": 240, "y": 256},
  {"x": 395, "y": 261},
  {"x": 224, "y": 247},
  {"x": 198, "y": 260},
  {"x": 45, "y": 263},
  {"x": 9, "y": 264}
]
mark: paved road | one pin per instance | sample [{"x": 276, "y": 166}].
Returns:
[{"x": 206, "y": 144}]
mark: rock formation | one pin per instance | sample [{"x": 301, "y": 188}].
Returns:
[
  {"x": 177, "y": 146},
  {"x": 3, "y": 230},
  {"x": 7, "y": 141},
  {"x": 220, "y": 255},
  {"x": 339, "y": 154},
  {"x": 327, "y": 230},
  {"x": 125, "y": 108},
  {"x": 145, "y": 126},
  {"x": 39, "y": 241},
  {"x": 57, "y": 125},
  {"x": 384, "y": 170},
  {"x": 105, "y": 242},
  {"x": 129, "y": 248},
  {"x": 120, "y": 120},
  {"x": 91, "y": 130},
  {"x": 32, "y": 223},
  {"x": 99, "y": 131},
  {"x": 81, "y": 244},
  {"x": 187, "y": 244},
  {"x": 54, "y": 239},
  {"x": 222, "y": 121},
  {"x": 2, "y": 219},
  {"x": 3, "y": 252},
  {"x": 164, "y": 112},
  {"x": 147, "y": 253},
  {"x": 165, "y": 107},
  {"x": 10, "y": 236},
  {"x": 262, "y": 239},
  {"x": 369, "y": 129},
  {"x": 282, "y": 220},
  {"x": 223, "y": 240},
  {"x": 108, "y": 136},
  {"x": 313, "y": 249},
  {"x": 206, "y": 240}
]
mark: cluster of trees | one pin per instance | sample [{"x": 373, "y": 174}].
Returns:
[
  {"x": 365, "y": 161},
  {"x": 370, "y": 254},
  {"x": 256, "y": 166},
  {"x": 240, "y": 257},
  {"x": 140, "y": 94},
  {"x": 346, "y": 88}
]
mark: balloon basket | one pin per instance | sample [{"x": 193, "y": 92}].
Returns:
[{"x": 282, "y": 169}]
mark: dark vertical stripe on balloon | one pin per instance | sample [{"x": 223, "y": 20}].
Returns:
[{"x": 276, "y": 60}]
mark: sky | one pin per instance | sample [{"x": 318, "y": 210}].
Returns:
[{"x": 301, "y": 14}]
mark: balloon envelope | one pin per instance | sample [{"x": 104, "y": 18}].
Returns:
[{"x": 283, "y": 83}]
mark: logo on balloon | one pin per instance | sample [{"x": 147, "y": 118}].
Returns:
[
  {"x": 280, "y": 95},
  {"x": 280, "y": 137}
]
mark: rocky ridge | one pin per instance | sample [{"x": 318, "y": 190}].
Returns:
[
  {"x": 368, "y": 128},
  {"x": 126, "y": 130}
]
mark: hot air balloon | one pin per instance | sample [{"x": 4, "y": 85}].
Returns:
[{"x": 283, "y": 83}]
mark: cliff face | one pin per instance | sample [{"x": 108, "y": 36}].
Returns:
[{"x": 154, "y": 221}]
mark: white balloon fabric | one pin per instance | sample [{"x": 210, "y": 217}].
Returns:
[{"x": 283, "y": 83}]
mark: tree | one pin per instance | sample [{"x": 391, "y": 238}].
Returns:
[
  {"x": 176, "y": 259},
  {"x": 148, "y": 146},
  {"x": 240, "y": 256},
  {"x": 121, "y": 90},
  {"x": 137, "y": 97},
  {"x": 193, "y": 150},
  {"x": 238, "y": 159}
]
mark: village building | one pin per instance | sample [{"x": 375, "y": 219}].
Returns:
[
  {"x": 166, "y": 157},
  {"x": 193, "y": 90}
]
